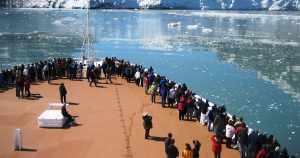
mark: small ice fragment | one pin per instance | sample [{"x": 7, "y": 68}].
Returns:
[
  {"x": 176, "y": 25},
  {"x": 258, "y": 122},
  {"x": 168, "y": 54},
  {"x": 57, "y": 22},
  {"x": 293, "y": 132},
  {"x": 289, "y": 138},
  {"x": 207, "y": 30},
  {"x": 192, "y": 27}
]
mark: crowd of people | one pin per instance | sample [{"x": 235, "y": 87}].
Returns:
[
  {"x": 232, "y": 130},
  {"x": 235, "y": 132}
]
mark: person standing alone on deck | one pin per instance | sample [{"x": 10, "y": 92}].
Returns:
[
  {"x": 147, "y": 124},
  {"x": 216, "y": 145},
  {"x": 168, "y": 142},
  {"x": 172, "y": 150},
  {"x": 63, "y": 93}
]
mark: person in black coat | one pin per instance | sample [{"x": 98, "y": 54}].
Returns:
[
  {"x": 196, "y": 148},
  {"x": 168, "y": 142},
  {"x": 93, "y": 78},
  {"x": 65, "y": 113},
  {"x": 172, "y": 150},
  {"x": 147, "y": 118},
  {"x": 63, "y": 93}
]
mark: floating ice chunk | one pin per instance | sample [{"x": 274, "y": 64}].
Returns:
[
  {"x": 168, "y": 54},
  {"x": 57, "y": 22},
  {"x": 289, "y": 138},
  {"x": 192, "y": 27},
  {"x": 176, "y": 25},
  {"x": 258, "y": 122},
  {"x": 6, "y": 13},
  {"x": 115, "y": 18},
  {"x": 293, "y": 132},
  {"x": 296, "y": 68},
  {"x": 207, "y": 30},
  {"x": 69, "y": 19}
]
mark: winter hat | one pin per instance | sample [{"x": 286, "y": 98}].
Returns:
[
  {"x": 145, "y": 114},
  {"x": 277, "y": 149}
]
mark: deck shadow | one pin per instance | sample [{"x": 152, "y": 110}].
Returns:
[
  {"x": 28, "y": 150},
  {"x": 5, "y": 88},
  {"x": 158, "y": 139},
  {"x": 72, "y": 103},
  {"x": 34, "y": 83},
  {"x": 100, "y": 86},
  {"x": 55, "y": 84},
  {"x": 117, "y": 84},
  {"x": 77, "y": 80},
  {"x": 34, "y": 96},
  {"x": 67, "y": 126}
]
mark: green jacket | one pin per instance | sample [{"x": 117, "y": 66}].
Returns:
[{"x": 152, "y": 89}]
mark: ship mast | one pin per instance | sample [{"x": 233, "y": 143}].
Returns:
[{"x": 87, "y": 51}]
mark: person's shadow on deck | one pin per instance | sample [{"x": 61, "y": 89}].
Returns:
[
  {"x": 33, "y": 96},
  {"x": 158, "y": 139},
  {"x": 67, "y": 126}
]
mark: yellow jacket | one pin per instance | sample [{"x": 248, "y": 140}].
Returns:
[{"x": 187, "y": 153}]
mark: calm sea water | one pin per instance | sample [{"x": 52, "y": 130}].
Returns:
[{"x": 249, "y": 61}]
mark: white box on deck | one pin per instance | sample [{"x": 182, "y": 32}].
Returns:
[{"x": 51, "y": 118}]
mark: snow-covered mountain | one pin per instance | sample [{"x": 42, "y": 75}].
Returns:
[{"x": 165, "y": 4}]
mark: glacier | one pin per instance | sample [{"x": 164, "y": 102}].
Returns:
[{"x": 272, "y": 5}]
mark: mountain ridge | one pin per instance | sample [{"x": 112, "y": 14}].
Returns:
[{"x": 272, "y": 5}]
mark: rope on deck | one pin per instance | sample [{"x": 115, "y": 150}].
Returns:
[{"x": 127, "y": 135}]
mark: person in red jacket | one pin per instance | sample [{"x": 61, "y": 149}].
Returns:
[
  {"x": 181, "y": 107},
  {"x": 27, "y": 86},
  {"x": 216, "y": 145},
  {"x": 264, "y": 152}
]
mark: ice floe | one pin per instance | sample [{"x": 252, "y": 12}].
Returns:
[
  {"x": 175, "y": 25},
  {"x": 207, "y": 30},
  {"x": 192, "y": 27}
]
